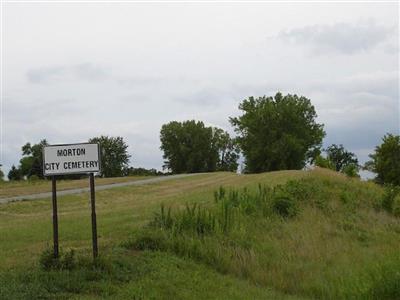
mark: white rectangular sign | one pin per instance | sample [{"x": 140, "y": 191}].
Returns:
[{"x": 71, "y": 159}]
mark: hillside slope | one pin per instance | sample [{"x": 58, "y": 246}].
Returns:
[{"x": 289, "y": 234}]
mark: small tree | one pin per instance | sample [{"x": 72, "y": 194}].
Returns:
[
  {"x": 340, "y": 160},
  {"x": 14, "y": 174},
  {"x": 385, "y": 162},
  {"x": 114, "y": 155},
  {"x": 340, "y": 157},
  {"x": 32, "y": 161}
]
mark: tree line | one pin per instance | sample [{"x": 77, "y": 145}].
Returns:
[{"x": 272, "y": 133}]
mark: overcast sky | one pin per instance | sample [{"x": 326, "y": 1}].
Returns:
[{"x": 73, "y": 71}]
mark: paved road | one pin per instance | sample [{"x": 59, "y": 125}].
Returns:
[{"x": 98, "y": 188}]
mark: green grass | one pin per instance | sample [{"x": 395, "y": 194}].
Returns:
[
  {"x": 320, "y": 236},
  {"x": 131, "y": 275}
]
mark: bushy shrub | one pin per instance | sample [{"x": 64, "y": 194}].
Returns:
[
  {"x": 68, "y": 261},
  {"x": 47, "y": 260},
  {"x": 65, "y": 261},
  {"x": 286, "y": 198},
  {"x": 396, "y": 206},
  {"x": 303, "y": 189},
  {"x": 388, "y": 202},
  {"x": 323, "y": 162},
  {"x": 351, "y": 170},
  {"x": 154, "y": 240},
  {"x": 285, "y": 205}
]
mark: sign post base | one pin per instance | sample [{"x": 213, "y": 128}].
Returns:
[{"x": 55, "y": 217}]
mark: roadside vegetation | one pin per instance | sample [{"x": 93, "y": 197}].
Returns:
[
  {"x": 279, "y": 235},
  {"x": 324, "y": 238}
]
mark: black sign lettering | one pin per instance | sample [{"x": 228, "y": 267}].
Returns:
[{"x": 71, "y": 152}]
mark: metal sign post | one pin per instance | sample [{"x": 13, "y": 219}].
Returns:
[
  {"x": 66, "y": 159},
  {"x": 55, "y": 217},
  {"x": 94, "y": 225}
]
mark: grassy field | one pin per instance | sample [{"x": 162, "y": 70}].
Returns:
[
  {"x": 26, "y": 187},
  {"x": 320, "y": 236}
]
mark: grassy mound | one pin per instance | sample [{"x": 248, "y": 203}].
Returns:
[
  {"x": 321, "y": 237},
  {"x": 278, "y": 235}
]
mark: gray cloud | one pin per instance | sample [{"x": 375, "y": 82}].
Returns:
[
  {"x": 89, "y": 71},
  {"x": 44, "y": 74},
  {"x": 136, "y": 81},
  {"x": 381, "y": 84},
  {"x": 84, "y": 71},
  {"x": 345, "y": 38},
  {"x": 27, "y": 111},
  {"x": 210, "y": 97}
]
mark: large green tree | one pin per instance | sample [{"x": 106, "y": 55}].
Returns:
[
  {"x": 191, "y": 147},
  {"x": 188, "y": 147},
  {"x": 114, "y": 155},
  {"x": 385, "y": 162},
  {"x": 32, "y": 161},
  {"x": 277, "y": 133}
]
